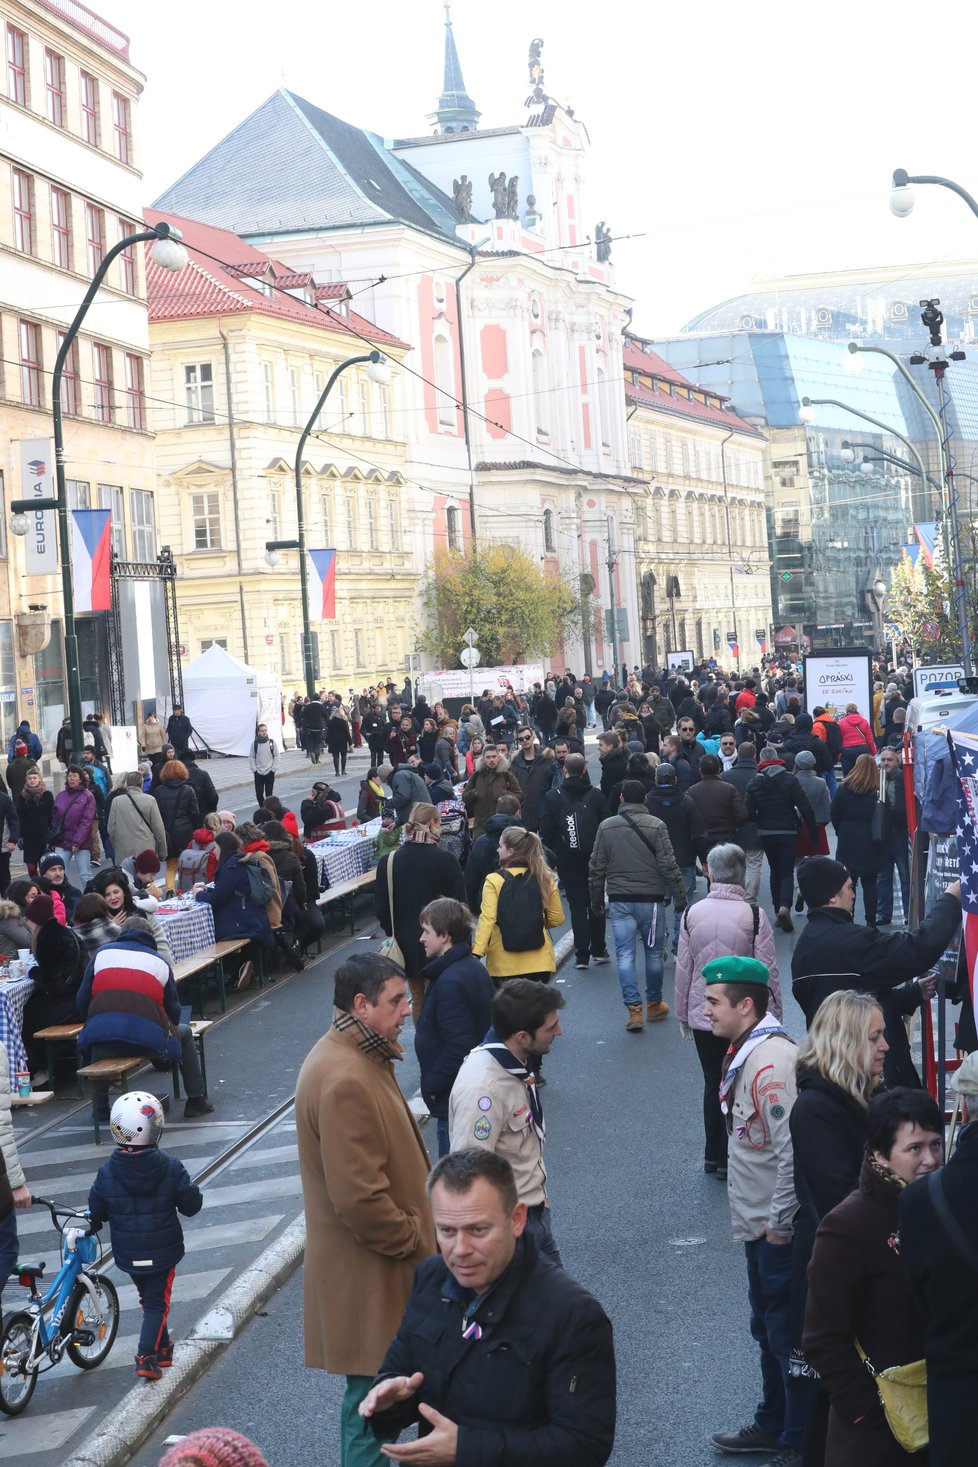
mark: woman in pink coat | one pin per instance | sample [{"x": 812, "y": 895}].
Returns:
[
  {"x": 857, "y": 737},
  {"x": 724, "y": 924}
]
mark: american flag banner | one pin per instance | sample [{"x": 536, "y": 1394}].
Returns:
[{"x": 964, "y": 751}]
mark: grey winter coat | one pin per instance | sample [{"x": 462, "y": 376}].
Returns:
[
  {"x": 633, "y": 857},
  {"x": 135, "y": 824}
]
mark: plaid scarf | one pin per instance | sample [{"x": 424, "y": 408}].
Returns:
[
  {"x": 508, "y": 1060},
  {"x": 368, "y": 1039}
]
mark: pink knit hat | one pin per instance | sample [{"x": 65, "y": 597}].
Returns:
[{"x": 214, "y": 1446}]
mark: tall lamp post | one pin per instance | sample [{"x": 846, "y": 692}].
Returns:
[
  {"x": 379, "y": 371},
  {"x": 902, "y": 197},
  {"x": 169, "y": 254},
  {"x": 807, "y": 416}
]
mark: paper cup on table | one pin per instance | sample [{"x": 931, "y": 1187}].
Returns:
[{"x": 24, "y": 953}]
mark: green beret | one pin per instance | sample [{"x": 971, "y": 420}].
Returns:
[{"x": 736, "y": 970}]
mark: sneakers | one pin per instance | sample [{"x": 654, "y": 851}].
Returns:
[
  {"x": 784, "y": 921},
  {"x": 634, "y": 1024},
  {"x": 164, "y": 1356},
  {"x": 788, "y": 1458},
  {"x": 148, "y": 1367},
  {"x": 799, "y": 903},
  {"x": 656, "y": 1011},
  {"x": 601, "y": 957},
  {"x": 197, "y": 1105},
  {"x": 246, "y": 974},
  {"x": 748, "y": 1439},
  {"x": 579, "y": 964}
]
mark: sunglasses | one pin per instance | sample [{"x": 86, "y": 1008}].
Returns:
[{"x": 526, "y": 738}]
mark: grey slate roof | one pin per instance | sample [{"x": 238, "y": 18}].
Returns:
[{"x": 291, "y": 164}]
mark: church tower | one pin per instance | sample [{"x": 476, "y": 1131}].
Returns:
[{"x": 456, "y": 110}]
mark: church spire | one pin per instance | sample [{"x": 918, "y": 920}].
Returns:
[{"x": 456, "y": 110}]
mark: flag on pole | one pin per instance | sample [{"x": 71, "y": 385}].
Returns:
[
  {"x": 762, "y": 645},
  {"x": 964, "y": 751},
  {"x": 91, "y": 545},
  {"x": 323, "y": 584}
]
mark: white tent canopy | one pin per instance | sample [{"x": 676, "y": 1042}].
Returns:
[{"x": 225, "y": 701}]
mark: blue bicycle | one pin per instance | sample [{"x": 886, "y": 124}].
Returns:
[{"x": 77, "y": 1317}]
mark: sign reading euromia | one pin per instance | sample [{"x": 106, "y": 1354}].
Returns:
[
  {"x": 839, "y": 676},
  {"x": 680, "y": 661}
]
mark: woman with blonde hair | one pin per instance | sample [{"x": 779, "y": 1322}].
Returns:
[
  {"x": 417, "y": 872},
  {"x": 852, "y": 810},
  {"x": 520, "y": 903}
]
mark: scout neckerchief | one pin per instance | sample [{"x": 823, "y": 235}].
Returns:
[
  {"x": 508, "y": 1060},
  {"x": 733, "y": 1061},
  {"x": 368, "y": 1039}
]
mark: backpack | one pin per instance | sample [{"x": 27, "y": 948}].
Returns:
[
  {"x": 519, "y": 913},
  {"x": 192, "y": 865},
  {"x": 261, "y": 888},
  {"x": 577, "y": 827},
  {"x": 454, "y": 829}
]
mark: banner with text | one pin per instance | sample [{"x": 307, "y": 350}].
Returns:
[
  {"x": 37, "y": 482},
  {"x": 838, "y": 677}
]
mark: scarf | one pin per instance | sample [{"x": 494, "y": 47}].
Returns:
[
  {"x": 736, "y": 1055},
  {"x": 368, "y": 1039},
  {"x": 508, "y": 1060}
]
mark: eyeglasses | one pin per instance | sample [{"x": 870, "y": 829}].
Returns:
[{"x": 526, "y": 738}]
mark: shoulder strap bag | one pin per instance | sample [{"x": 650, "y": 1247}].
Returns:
[
  {"x": 390, "y": 947},
  {"x": 952, "y": 1227},
  {"x": 902, "y": 1390},
  {"x": 142, "y": 817}
]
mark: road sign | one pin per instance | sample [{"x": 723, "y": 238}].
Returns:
[
  {"x": 930, "y": 631},
  {"x": 786, "y": 576},
  {"x": 470, "y": 637},
  {"x": 732, "y": 638},
  {"x": 470, "y": 656}
]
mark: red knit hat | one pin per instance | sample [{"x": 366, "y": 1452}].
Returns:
[
  {"x": 40, "y": 910},
  {"x": 214, "y": 1446},
  {"x": 147, "y": 863}
]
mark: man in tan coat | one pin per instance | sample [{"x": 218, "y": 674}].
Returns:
[{"x": 364, "y": 1168}]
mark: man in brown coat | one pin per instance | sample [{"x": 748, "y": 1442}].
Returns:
[
  {"x": 364, "y": 1168},
  {"x": 492, "y": 778}
]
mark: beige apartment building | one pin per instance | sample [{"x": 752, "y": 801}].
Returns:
[{"x": 70, "y": 188}]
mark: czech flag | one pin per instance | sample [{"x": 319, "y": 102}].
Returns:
[
  {"x": 91, "y": 546},
  {"x": 323, "y": 577}
]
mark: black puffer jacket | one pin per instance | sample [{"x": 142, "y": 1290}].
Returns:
[
  {"x": 139, "y": 1193},
  {"x": 685, "y": 824},
  {"x": 614, "y": 767},
  {"x": 180, "y": 812},
  {"x": 778, "y": 803},
  {"x": 455, "y": 1017}
]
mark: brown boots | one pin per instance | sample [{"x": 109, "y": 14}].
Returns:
[
  {"x": 656, "y": 1011},
  {"x": 634, "y": 1024}
]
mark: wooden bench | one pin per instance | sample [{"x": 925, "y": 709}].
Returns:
[
  {"x": 65, "y": 1036},
  {"x": 343, "y": 896},
  {"x": 103, "y": 1073},
  {"x": 201, "y": 963}
]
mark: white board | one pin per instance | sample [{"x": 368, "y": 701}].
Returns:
[
  {"x": 838, "y": 677},
  {"x": 680, "y": 661},
  {"x": 937, "y": 675},
  {"x": 458, "y": 681}
]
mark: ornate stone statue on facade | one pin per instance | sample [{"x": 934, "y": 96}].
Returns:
[
  {"x": 602, "y": 242},
  {"x": 531, "y": 218},
  {"x": 500, "y": 201},
  {"x": 535, "y": 64},
  {"x": 462, "y": 195},
  {"x": 513, "y": 198}
]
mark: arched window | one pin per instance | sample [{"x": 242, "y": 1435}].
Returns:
[
  {"x": 445, "y": 382},
  {"x": 453, "y": 525},
  {"x": 541, "y": 398},
  {"x": 604, "y": 406},
  {"x": 549, "y": 532}
]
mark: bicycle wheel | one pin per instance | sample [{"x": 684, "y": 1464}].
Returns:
[
  {"x": 97, "y": 1312},
  {"x": 16, "y": 1384}
]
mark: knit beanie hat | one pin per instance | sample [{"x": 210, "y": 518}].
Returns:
[
  {"x": 51, "y": 858},
  {"x": 147, "y": 863},
  {"x": 214, "y": 1446},
  {"x": 819, "y": 878},
  {"x": 804, "y": 759},
  {"x": 434, "y": 771},
  {"x": 40, "y": 910}
]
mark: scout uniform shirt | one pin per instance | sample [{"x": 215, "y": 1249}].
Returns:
[{"x": 490, "y": 1108}]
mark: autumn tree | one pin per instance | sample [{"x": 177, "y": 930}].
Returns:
[{"x": 518, "y": 610}]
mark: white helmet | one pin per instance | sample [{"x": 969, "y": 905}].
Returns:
[{"x": 137, "y": 1119}]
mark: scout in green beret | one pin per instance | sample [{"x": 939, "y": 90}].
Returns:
[{"x": 736, "y": 970}]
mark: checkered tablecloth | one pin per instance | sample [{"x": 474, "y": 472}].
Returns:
[
  {"x": 13, "y": 997},
  {"x": 346, "y": 854},
  {"x": 188, "y": 928}
]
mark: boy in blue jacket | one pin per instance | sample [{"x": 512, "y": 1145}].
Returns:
[{"x": 139, "y": 1192}]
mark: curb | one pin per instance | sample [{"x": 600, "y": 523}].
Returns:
[{"x": 124, "y": 1430}]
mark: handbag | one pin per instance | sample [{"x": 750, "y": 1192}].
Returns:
[
  {"x": 877, "y": 825},
  {"x": 902, "y": 1390},
  {"x": 390, "y": 947}
]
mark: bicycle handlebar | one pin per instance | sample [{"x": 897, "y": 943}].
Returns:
[{"x": 63, "y": 1212}]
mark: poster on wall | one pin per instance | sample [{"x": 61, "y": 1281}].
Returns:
[
  {"x": 840, "y": 676},
  {"x": 680, "y": 661},
  {"x": 935, "y": 677},
  {"x": 37, "y": 482}
]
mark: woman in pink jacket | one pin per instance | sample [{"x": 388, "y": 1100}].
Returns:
[
  {"x": 724, "y": 924},
  {"x": 857, "y": 737}
]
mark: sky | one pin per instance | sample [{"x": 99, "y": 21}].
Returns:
[{"x": 734, "y": 141}]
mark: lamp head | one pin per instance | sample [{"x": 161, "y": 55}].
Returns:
[
  {"x": 19, "y": 523},
  {"x": 901, "y": 195},
  {"x": 806, "y": 412},
  {"x": 866, "y": 467},
  {"x": 272, "y": 558},
  {"x": 379, "y": 370},
  {"x": 848, "y": 454},
  {"x": 168, "y": 252},
  {"x": 879, "y": 588}
]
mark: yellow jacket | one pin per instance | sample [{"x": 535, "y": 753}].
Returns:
[{"x": 489, "y": 944}]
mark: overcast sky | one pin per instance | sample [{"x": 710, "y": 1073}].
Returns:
[{"x": 737, "y": 140}]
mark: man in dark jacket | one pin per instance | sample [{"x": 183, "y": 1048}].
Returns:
[
  {"x": 492, "y": 778},
  {"x": 720, "y": 804},
  {"x": 569, "y": 820},
  {"x": 457, "y": 1009},
  {"x": 445, "y": 1370},
  {"x": 671, "y": 804},
  {"x": 896, "y": 846},
  {"x": 534, "y": 772},
  {"x": 740, "y": 774},
  {"x": 201, "y": 784},
  {"x": 802, "y": 737},
  {"x": 179, "y": 730},
  {"x": 603, "y": 699},
  {"x": 543, "y": 711},
  {"x": 780, "y": 806},
  {"x": 834, "y": 953},
  {"x": 691, "y": 750},
  {"x": 613, "y": 757},
  {"x": 313, "y": 729},
  {"x": 662, "y": 710},
  {"x": 439, "y": 788},
  {"x": 943, "y": 1275}
]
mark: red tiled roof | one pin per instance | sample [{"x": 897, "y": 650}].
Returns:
[
  {"x": 335, "y": 290},
  {"x": 209, "y": 286},
  {"x": 638, "y": 356},
  {"x": 638, "y": 360},
  {"x": 659, "y": 397}
]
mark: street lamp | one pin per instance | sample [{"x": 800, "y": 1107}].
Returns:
[
  {"x": 378, "y": 371},
  {"x": 902, "y": 195},
  {"x": 807, "y": 414},
  {"x": 169, "y": 254}
]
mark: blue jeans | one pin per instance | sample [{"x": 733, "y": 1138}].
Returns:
[
  {"x": 689, "y": 882},
  {"x": 83, "y": 865},
  {"x": 897, "y": 854},
  {"x": 628, "y": 920},
  {"x": 8, "y": 1248},
  {"x": 444, "y": 1140},
  {"x": 785, "y": 1402},
  {"x": 590, "y": 715},
  {"x": 830, "y": 780}
]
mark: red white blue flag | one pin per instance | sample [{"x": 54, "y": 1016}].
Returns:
[
  {"x": 91, "y": 546},
  {"x": 323, "y": 584},
  {"x": 964, "y": 748}
]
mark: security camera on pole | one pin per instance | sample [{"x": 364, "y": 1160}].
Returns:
[{"x": 470, "y": 655}]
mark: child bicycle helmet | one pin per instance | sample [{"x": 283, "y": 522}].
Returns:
[{"x": 137, "y": 1119}]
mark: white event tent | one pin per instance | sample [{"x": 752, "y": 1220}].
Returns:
[{"x": 225, "y": 700}]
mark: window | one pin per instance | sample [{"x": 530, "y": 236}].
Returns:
[
  {"x": 327, "y": 520},
  {"x": 102, "y": 360},
  {"x": 3, "y": 555},
  {"x": 453, "y": 526},
  {"x": 205, "y": 513},
  {"x": 208, "y": 642},
  {"x": 294, "y": 395},
  {"x": 111, "y": 497},
  {"x": 79, "y": 494},
  {"x": 89, "y": 108},
  {"x": 364, "y": 387},
  {"x": 604, "y": 403},
  {"x": 143, "y": 525},
  {"x": 122, "y": 127},
  {"x": 95, "y": 233},
  {"x": 541, "y": 401},
  {"x": 127, "y": 260},
  {"x": 339, "y": 396},
  {"x": 268, "y": 383},
  {"x": 23, "y": 211},
  {"x": 198, "y": 390},
  {"x": 351, "y": 524},
  {"x": 371, "y": 531},
  {"x": 135, "y": 410},
  {"x": 334, "y": 648},
  {"x": 317, "y": 387},
  {"x": 16, "y": 66},
  {"x": 392, "y": 524},
  {"x": 358, "y": 658},
  {"x": 54, "y": 82},
  {"x": 384, "y": 405},
  {"x": 549, "y": 537},
  {"x": 61, "y": 228},
  {"x": 445, "y": 382},
  {"x": 30, "y": 364},
  {"x": 69, "y": 380}
]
